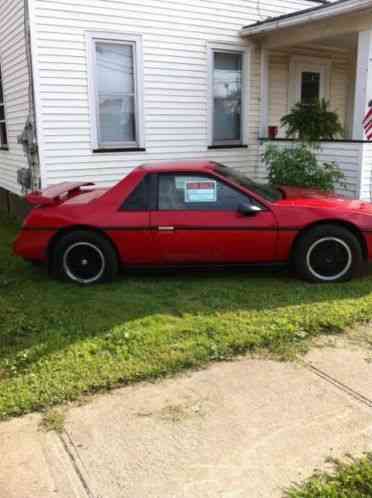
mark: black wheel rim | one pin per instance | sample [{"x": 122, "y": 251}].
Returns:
[
  {"x": 84, "y": 262},
  {"x": 329, "y": 258}
]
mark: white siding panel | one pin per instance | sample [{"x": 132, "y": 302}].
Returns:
[
  {"x": 15, "y": 83},
  {"x": 175, "y": 38},
  {"x": 366, "y": 174}
]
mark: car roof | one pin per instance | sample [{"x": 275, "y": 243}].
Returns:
[{"x": 180, "y": 166}]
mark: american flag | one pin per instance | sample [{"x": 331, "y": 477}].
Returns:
[{"x": 367, "y": 122}]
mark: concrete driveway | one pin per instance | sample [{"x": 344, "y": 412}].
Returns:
[{"x": 247, "y": 428}]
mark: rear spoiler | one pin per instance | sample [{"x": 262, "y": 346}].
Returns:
[{"x": 52, "y": 195}]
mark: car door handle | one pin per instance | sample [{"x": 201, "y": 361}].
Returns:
[{"x": 165, "y": 229}]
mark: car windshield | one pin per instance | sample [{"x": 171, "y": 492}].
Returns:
[{"x": 266, "y": 191}]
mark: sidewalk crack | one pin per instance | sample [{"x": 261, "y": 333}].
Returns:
[
  {"x": 339, "y": 385},
  {"x": 75, "y": 464}
]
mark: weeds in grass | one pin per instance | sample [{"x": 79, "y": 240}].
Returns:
[
  {"x": 59, "y": 341},
  {"x": 352, "y": 479},
  {"x": 53, "y": 420}
]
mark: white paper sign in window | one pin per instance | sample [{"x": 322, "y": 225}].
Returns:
[{"x": 201, "y": 191}]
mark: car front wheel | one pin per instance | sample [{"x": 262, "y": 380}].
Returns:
[
  {"x": 85, "y": 258},
  {"x": 328, "y": 253}
]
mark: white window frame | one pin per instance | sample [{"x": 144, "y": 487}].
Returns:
[
  {"x": 3, "y": 146},
  {"x": 135, "y": 40},
  {"x": 212, "y": 48},
  {"x": 299, "y": 65}
]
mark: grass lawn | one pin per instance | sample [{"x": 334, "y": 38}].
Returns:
[
  {"x": 58, "y": 341},
  {"x": 352, "y": 480}
]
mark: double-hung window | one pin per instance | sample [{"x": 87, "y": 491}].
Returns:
[
  {"x": 3, "y": 131},
  {"x": 116, "y": 95},
  {"x": 226, "y": 97}
]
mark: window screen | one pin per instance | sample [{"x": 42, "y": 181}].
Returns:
[
  {"x": 3, "y": 130},
  {"x": 227, "y": 97},
  {"x": 116, "y": 93}
]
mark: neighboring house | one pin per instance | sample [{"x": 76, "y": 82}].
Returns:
[{"x": 106, "y": 85}]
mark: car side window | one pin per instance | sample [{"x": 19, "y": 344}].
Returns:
[
  {"x": 138, "y": 200},
  {"x": 197, "y": 193}
]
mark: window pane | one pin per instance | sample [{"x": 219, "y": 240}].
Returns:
[
  {"x": 227, "y": 89},
  {"x": 116, "y": 93},
  {"x": 197, "y": 193},
  {"x": 1, "y": 89},
  {"x": 138, "y": 199},
  {"x": 114, "y": 68},
  {"x": 3, "y": 134},
  {"x": 310, "y": 87},
  {"x": 117, "y": 119}
]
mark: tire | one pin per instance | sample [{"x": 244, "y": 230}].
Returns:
[
  {"x": 328, "y": 254},
  {"x": 35, "y": 263},
  {"x": 85, "y": 258}
]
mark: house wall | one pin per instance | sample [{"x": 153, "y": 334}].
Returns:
[
  {"x": 366, "y": 173},
  {"x": 175, "y": 37},
  {"x": 342, "y": 74},
  {"x": 15, "y": 84}
]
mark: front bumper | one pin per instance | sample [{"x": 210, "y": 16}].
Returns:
[{"x": 32, "y": 244}]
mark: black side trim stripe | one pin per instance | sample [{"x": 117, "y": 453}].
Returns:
[
  {"x": 206, "y": 228},
  {"x": 191, "y": 228}
]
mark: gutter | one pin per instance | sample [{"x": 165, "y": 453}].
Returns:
[
  {"x": 306, "y": 16},
  {"x": 29, "y": 178}
]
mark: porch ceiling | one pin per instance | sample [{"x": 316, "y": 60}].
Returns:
[
  {"x": 326, "y": 23},
  {"x": 346, "y": 42}
]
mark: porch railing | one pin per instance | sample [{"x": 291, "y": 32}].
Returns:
[{"x": 349, "y": 156}]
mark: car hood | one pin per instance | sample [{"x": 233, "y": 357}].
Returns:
[{"x": 308, "y": 197}]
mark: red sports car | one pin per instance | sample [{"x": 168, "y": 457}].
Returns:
[{"x": 178, "y": 214}]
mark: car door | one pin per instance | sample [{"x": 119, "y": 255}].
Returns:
[
  {"x": 197, "y": 220},
  {"x": 129, "y": 226}
]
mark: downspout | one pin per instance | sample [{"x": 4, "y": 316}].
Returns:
[{"x": 29, "y": 178}]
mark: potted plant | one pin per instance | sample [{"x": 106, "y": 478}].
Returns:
[
  {"x": 312, "y": 122},
  {"x": 298, "y": 166}
]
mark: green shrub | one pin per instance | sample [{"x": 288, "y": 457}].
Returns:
[
  {"x": 298, "y": 166},
  {"x": 312, "y": 122},
  {"x": 351, "y": 479}
]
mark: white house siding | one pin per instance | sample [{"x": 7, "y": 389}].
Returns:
[
  {"x": 341, "y": 75},
  {"x": 15, "y": 83},
  {"x": 366, "y": 176},
  {"x": 175, "y": 37},
  {"x": 347, "y": 155}
]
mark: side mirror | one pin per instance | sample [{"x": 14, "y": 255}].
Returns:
[{"x": 247, "y": 209}]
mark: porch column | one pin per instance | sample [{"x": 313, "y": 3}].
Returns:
[
  {"x": 363, "y": 82},
  {"x": 264, "y": 93}
]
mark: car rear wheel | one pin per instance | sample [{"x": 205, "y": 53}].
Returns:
[
  {"x": 85, "y": 258},
  {"x": 328, "y": 253}
]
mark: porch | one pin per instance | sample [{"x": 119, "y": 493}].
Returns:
[
  {"x": 325, "y": 52},
  {"x": 352, "y": 157}
]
